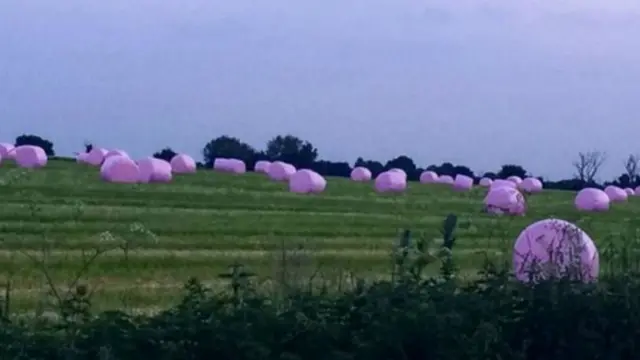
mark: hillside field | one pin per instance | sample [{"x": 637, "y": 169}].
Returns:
[{"x": 52, "y": 219}]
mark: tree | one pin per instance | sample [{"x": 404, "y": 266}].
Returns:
[
  {"x": 35, "y": 140},
  {"x": 588, "y": 164},
  {"x": 631, "y": 169},
  {"x": 165, "y": 154},
  {"x": 88, "y": 146},
  {"x": 511, "y": 170},
  {"x": 293, "y": 150},
  {"x": 405, "y": 163},
  {"x": 228, "y": 147}
]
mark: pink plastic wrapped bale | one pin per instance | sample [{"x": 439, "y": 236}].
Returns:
[
  {"x": 555, "y": 248},
  {"x": 120, "y": 169},
  {"x": 463, "y": 183},
  {"x": 281, "y": 171},
  {"x": 503, "y": 183},
  {"x": 182, "y": 164},
  {"x": 515, "y": 179},
  {"x": 96, "y": 156},
  {"x": 629, "y": 191},
  {"x": 115, "y": 152},
  {"x": 81, "y": 158},
  {"x": 6, "y": 151},
  {"x": 30, "y": 156},
  {"x": 505, "y": 200},
  {"x": 390, "y": 181},
  {"x": 307, "y": 181},
  {"x": 236, "y": 166},
  {"x": 221, "y": 164},
  {"x": 615, "y": 193},
  {"x": 428, "y": 177},
  {"x": 153, "y": 170},
  {"x": 400, "y": 171},
  {"x": 531, "y": 185},
  {"x": 360, "y": 173},
  {"x": 592, "y": 199},
  {"x": 446, "y": 179},
  {"x": 485, "y": 182},
  {"x": 262, "y": 166}
]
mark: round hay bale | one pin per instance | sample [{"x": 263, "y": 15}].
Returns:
[
  {"x": 515, "y": 179},
  {"x": 6, "y": 150},
  {"x": 154, "y": 170},
  {"x": 236, "y": 166},
  {"x": 555, "y": 248},
  {"x": 30, "y": 156},
  {"x": 360, "y": 173},
  {"x": 428, "y": 177},
  {"x": 96, "y": 156},
  {"x": 503, "y": 183},
  {"x": 120, "y": 169},
  {"x": 221, "y": 164},
  {"x": 531, "y": 185},
  {"x": 81, "y": 158},
  {"x": 505, "y": 200},
  {"x": 446, "y": 179},
  {"x": 262, "y": 166},
  {"x": 281, "y": 171},
  {"x": 485, "y": 182},
  {"x": 463, "y": 183},
  {"x": 615, "y": 194},
  {"x": 629, "y": 191},
  {"x": 115, "y": 152},
  {"x": 592, "y": 199},
  {"x": 305, "y": 181},
  {"x": 400, "y": 171},
  {"x": 390, "y": 181},
  {"x": 183, "y": 164}
]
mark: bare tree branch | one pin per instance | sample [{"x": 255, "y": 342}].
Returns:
[
  {"x": 588, "y": 165},
  {"x": 631, "y": 167}
]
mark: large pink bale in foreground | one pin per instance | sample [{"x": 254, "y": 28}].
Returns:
[
  {"x": 154, "y": 170},
  {"x": 182, "y": 164},
  {"x": 463, "y": 183},
  {"x": 428, "y": 177},
  {"x": 446, "y": 179},
  {"x": 515, "y": 179},
  {"x": 485, "y": 182},
  {"x": 120, "y": 169},
  {"x": 306, "y": 181},
  {"x": 531, "y": 185},
  {"x": 503, "y": 183},
  {"x": 592, "y": 199},
  {"x": 262, "y": 166},
  {"x": 281, "y": 171},
  {"x": 629, "y": 191},
  {"x": 30, "y": 156},
  {"x": 6, "y": 151},
  {"x": 615, "y": 193},
  {"x": 505, "y": 200},
  {"x": 555, "y": 248},
  {"x": 390, "y": 181},
  {"x": 360, "y": 173},
  {"x": 96, "y": 156},
  {"x": 116, "y": 152}
]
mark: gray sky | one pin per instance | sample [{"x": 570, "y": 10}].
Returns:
[{"x": 527, "y": 82}]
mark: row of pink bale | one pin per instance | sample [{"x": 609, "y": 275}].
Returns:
[{"x": 25, "y": 156}]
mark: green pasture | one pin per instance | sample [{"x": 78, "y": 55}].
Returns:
[{"x": 153, "y": 237}]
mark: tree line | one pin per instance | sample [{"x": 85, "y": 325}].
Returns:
[{"x": 303, "y": 154}]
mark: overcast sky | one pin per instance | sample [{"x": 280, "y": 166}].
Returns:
[{"x": 481, "y": 83}]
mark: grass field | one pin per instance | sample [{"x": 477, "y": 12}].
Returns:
[{"x": 201, "y": 224}]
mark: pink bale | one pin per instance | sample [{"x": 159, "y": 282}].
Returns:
[
  {"x": 446, "y": 179},
  {"x": 629, "y": 191},
  {"x": 515, "y": 179},
  {"x": 390, "y": 181},
  {"x": 281, "y": 171},
  {"x": 30, "y": 156},
  {"x": 592, "y": 199},
  {"x": 152, "y": 170},
  {"x": 505, "y": 200},
  {"x": 555, "y": 248},
  {"x": 81, "y": 158},
  {"x": 96, "y": 156},
  {"x": 428, "y": 177},
  {"x": 463, "y": 183},
  {"x": 115, "y": 152},
  {"x": 6, "y": 151},
  {"x": 237, "y": 166},
  {"x": 306, "y": 181},
  {"x": 360, "y": 174},
  {"x": 262, "y": 167},
  {"x": 531, "y": 185},
  {"x": 182, "y": 164},
  {"x": 120, "y": 169},
  {"x": 503, "y": 183},
  {"x": 400, "y": 171},
  {"x": 485, "y": 182},
  {"x": 615, "y": 193}
]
